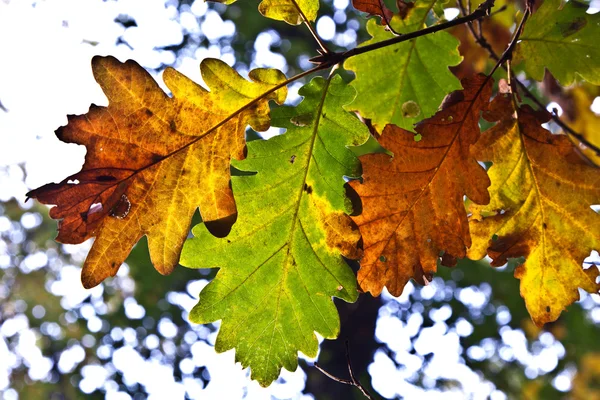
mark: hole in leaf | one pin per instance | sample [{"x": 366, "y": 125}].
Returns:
[{"x": 95, "y": 208}]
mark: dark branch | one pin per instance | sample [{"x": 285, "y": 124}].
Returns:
[{"x": 334, "y": 58}]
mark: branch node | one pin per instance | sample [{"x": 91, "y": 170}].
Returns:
[{"x": 352, "y": 381}]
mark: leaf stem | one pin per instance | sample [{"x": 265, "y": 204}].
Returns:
[
  {"x": 314, "y": 33},
  {"x": 507, "y": 55}
]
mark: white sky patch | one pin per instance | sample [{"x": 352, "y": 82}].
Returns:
[
  {"x": 341, "y": 4},
  {"x": 596, "y": 105},
  {"x": 326, "y": 28},
  {"x": 451, "y": 13},
  {"x": 554, "y": 106}
]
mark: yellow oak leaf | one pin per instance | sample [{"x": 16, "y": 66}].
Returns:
[
  {"x": 152, "y": 160},
  {"x": 541, "y": 195}
]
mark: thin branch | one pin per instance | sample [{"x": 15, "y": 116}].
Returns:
[
  {"x": 480, "y": 39},
  {"x": 482, "y": 11},
  {"x": 568, "y": 130},
  {"x": 355, "y": 381},
  {"x": 507, "y": 55},
  {"x": 315, "y": 35},
  {"x": 352, "y": 381}
]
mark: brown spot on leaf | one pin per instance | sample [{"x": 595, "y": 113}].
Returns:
[
  {"x": 572, "y": 27},
  {"x": 148, "y": 112},
  {"x": 307, "y": 189},
  {"x": 121, "y": 209}
]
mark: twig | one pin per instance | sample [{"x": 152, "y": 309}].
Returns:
[
  {"x": 352, "y": 381},
  {"x": 315, "y": 35},
  {"x": 480, "y": 39},
  {"x": 385, "y": 18}
]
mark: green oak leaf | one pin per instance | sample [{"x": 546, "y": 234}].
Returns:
[
  {"x": 282, "y": 262},
  {"x": 404, "y": 83},
  {"x": 563, "y": 38}
]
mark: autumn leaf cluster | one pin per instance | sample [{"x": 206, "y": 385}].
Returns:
[{"x": 421, "y": 159}]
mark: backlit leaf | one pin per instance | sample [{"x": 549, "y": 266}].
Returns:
[
  {"x": 404, "y": 83},
  {"x": 282, "y": 262},
  {"x": 152, "y": 160},
  {"x": 541, "y": 195},
  {"x": 585, "y": 122},
  {"x": 413, "y": 203},
  {"x": 562, "y": 37},
  {"x": 289, "y": 11}
]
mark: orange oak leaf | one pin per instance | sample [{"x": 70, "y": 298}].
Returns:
[
  {"x": 413, "y": 203},
  {"x": 152, "y": 160},
  {"x": 540, "y": 209}
]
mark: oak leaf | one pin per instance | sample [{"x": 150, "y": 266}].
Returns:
[
  {"x": 404, "y": 83},
  {"x": 152, "y": 160},
  {"x": 282, "y": 262},
  {"x": 413, "y": 203},
  {"x": 541, "y": 195},
  {"x": 562, "y": 37}
]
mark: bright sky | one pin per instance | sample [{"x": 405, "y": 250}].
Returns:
[{"x": 45, "y": 74}]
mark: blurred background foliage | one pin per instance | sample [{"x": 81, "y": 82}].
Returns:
[{"x": 466, "y": 335}]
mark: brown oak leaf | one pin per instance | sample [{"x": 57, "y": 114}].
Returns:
[
  {"x": 413, "y": 205},
  {"x": 152, "y": 160}
]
